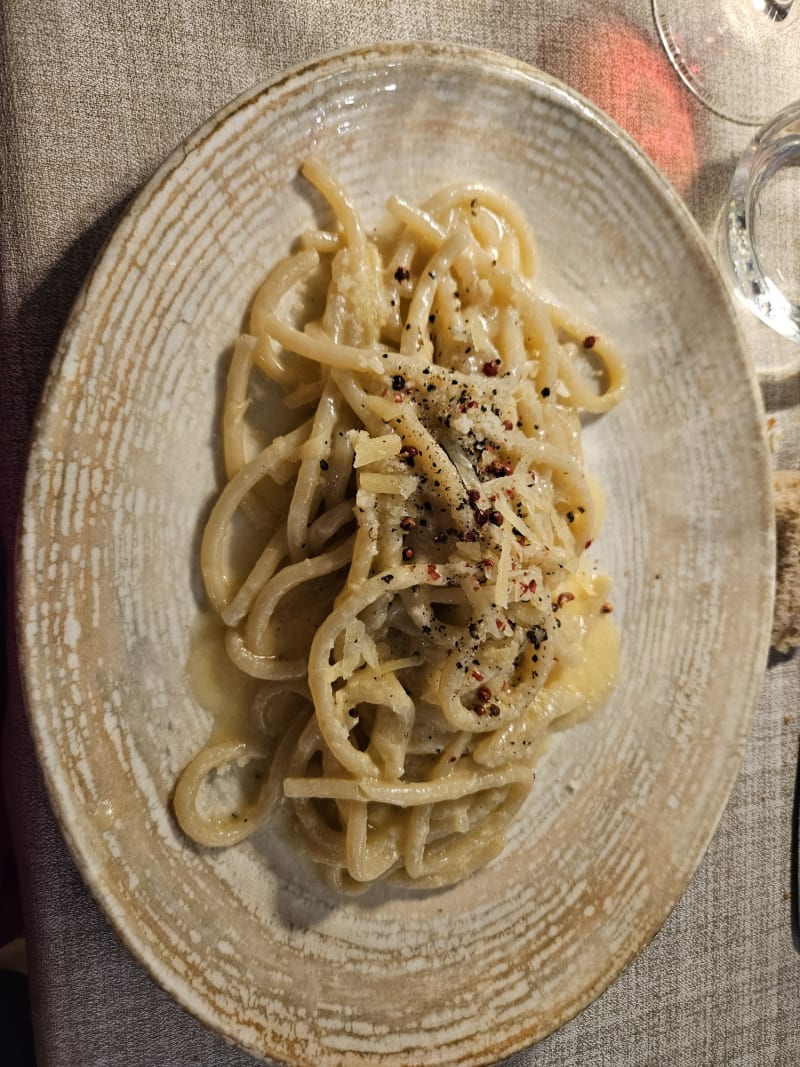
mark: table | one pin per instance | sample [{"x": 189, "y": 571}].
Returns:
[{"x": 95, "y": 95}]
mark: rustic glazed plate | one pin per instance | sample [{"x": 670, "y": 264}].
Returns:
[{"x": 124, "y": 466}]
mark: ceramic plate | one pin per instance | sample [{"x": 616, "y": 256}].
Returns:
[{"x": 124, "y": 466}]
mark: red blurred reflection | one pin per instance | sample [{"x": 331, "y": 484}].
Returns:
[{"x": 632, "y": 80}]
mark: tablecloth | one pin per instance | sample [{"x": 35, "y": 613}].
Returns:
[{"x": 93, "y": 95}]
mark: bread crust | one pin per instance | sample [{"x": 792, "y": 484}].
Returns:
[{"x": 786, "y": 618}]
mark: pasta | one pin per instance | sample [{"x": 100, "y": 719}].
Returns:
[{"x": 414, "y": 616}]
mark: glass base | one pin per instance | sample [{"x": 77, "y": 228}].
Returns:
[{"x": 740, "y": 58}]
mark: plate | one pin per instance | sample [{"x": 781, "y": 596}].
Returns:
[{"x": 122, "y": 472}]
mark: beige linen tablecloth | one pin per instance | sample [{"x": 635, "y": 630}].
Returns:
[{"x": 95, "y": 93}]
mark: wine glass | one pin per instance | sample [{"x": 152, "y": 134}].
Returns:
[{"x": 741, "y": 58}]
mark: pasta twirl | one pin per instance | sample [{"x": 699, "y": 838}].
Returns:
[{"x": 415, "y": 614}]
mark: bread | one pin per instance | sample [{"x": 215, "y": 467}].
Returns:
[{"x": 786, "y": 620}]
